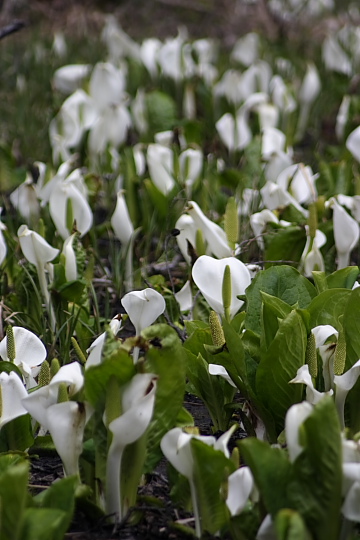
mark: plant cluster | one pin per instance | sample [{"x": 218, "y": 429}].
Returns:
[{"x": 179, "y": 242}]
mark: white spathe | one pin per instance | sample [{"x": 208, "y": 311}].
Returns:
[
  {"x": 160, "y": 160},
  {"x": 208, "y": 274},
  {"x": 12, "y": 393},
  {"x": 30, "y": 353},
  {"x": 346, "y": 233},
  {"x": 214, "y": 235},
  {"x": 138, "y": 400},
  {"x": 3, "y": 247},
  {"x": 296, "y": 415},
  {"x": 143, "y": 307}
]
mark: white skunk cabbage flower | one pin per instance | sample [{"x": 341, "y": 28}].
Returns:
[
  {"x": 143, "y": 307},
  {"x": 346, "y": 233},
  {"x": 11, "y": 396},
  {"x": 3, "y": 247},
  {"x": 138, "y": 401},
  {"x": 69, "y": 78},
  {"x": 160, "y": 161},
  {"x": 296, "y": 415},
  {"x": 29, "y": 354},
  {"x": 214, "y": 235},
  {"x": 70, "y": 258},
  {"x": 176, "y": 447},
  {"x": 241, "y": 488},
  {"x": 96, "y": 348},
  {"x": 208, "y": 275},
  {"x": 65, "y": 421},
  {"x": 353, "y": 143}
]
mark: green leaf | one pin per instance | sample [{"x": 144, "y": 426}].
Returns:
[
  {"x": 279, "y": 364},
  {"x": 351, "y": 325},
  {"x": 14, "y": 476},
  {"x": 60, "y": 496},
  {"x": 320, "y": 281},
  {"x": 344, "y": 278},
  {"x": 285, "y": 244},
  {"x": 214, "y": 391},
  {"x": 161, "y": 111},
  {"x": 284, "y": 282},
  {"x": 271, "y": 469},
  {"x": 157, "y": 198},
  {"x": 166, "y": 358},
  {"x": 116, "y": 362},
  {"x": 328, "y": 306},
  {"x": 314, "y": 488},
  {"x": 289, "y": 525},
  {"x": 210, "y": 472},
  {"x": 43, "y": 524},
  {"x": 17, "y": 434},
  {"x": 184, "y": 418},
  {"x": 273, "y": 310}
]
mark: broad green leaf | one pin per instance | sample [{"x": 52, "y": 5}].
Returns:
[
  {"x": 214, "y": 391},
  {"x": 273, "y": 310},
  {"x": 17, "y": 434},
  {"x": 184, "y": 418},
  {"x": 242, "y": 369},
  {"x": 344, "y": 278},
  {"x": 116, "y": 362},
  {"x": 210, "y": 473},
  {"x": 328, "y": 306},
  {"x": 279, "y": 364},
  {"x": 351, "y": 325},
  {"x": 314, "y": 488},
  {"x": 14, "y": 476},
  {"x": 43, "y": 524},
  {"x": 161, "y": 111},
  {"x": 289, "y": 525},
  {"x": 284, "y": 282},
  {"x": 197, "y": 339},
  {"x": 60, "y": 496},
  {"x": 246, "y": 525},
  {"x": 285, "y": 244},
  {"x": 157, "y": 198},
  {"x": 7, "y": 367},
  {"x": 167, "y": 359},
  {"x": 320, "y": 281},
  {"x": 271, "y": 469}
]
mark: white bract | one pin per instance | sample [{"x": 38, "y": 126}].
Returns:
[
  {"x": 176, "y": 447},
  {"x": 69, "y": 78},
  {"x": 38, "y": 252},
  {"x": 241, "y": 488},
  {"x": 11, "y": 395},
  {"x": 346, "y": 233},
  {"x": 143, "y": 307},
  {"x": 24, "y": 199},
  {"x": 70, "y": 258},
  {"x": 30, "y": 353},
  {"x": 124, "y": 231},
  {"x": 296, "y": 415},
  {"x": 184, "y": 297},
  {"x": 67, "y": 195},
  {"x": 65, "y": 421},
  {"x": 208, "y": 275},
  {"x": 96, "y": 348},
  {"x": 3, "y": 247},
  {"x": 214, "y": 235},
  {"x": 138, "y": 401},
  {"x": 160, "y": 160}
]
